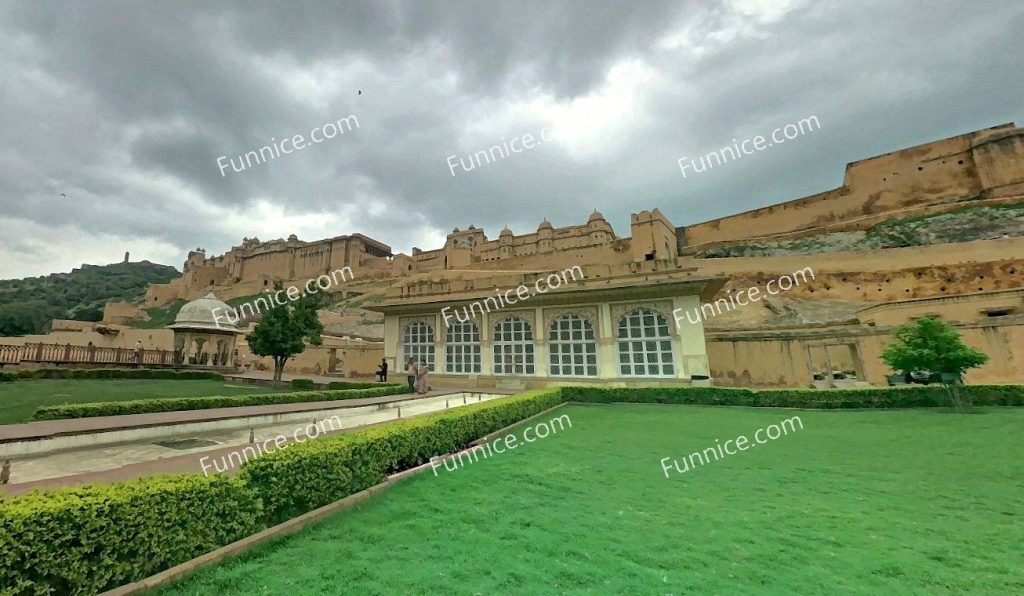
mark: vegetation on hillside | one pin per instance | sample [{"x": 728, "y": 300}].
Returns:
[
  {"x": 961, "y": 225},
  {"x": 28, "y": 305}
]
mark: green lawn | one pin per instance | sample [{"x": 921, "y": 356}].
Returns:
[
  {"x": 881, "y": 502},
  {"x": 18, "y": 400}
]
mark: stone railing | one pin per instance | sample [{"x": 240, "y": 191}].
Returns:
[{"x": 68, "y": 354}]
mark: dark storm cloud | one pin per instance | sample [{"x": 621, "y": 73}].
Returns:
[{"x": 125, "y": 108}]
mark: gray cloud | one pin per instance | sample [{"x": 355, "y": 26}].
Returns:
[{"x": 126, "y": 107}]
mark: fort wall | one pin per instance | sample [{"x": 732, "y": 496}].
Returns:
[{"x": 990, "y": 161}]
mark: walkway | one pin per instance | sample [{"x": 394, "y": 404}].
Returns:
[{"x": 111, "y": 463}]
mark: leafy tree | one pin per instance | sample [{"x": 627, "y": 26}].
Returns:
[
  {"x": 930, "y": 345},
  {"x": 284, "y": 330}
]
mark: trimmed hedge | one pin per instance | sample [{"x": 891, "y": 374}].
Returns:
[
  {"x": 118, "y": 373},
  {"x": 178, "y": 404},
  {"x": 96, "y": 537},
  {"x": 918, "y": 396},
  {"x": 87, "y": 539},
  {"x": 303, "y": 384},
  {"x": 6, "y": 377},
  {"x": 354, "y": 385},
  {"x": 324, "y": 471},
  {"x": 93, "y": 538}
]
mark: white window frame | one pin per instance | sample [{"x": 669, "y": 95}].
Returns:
[
  {"x": 418, "y": 343},
  {"x": 513, "y": 337},
  {"x": 635, "y": 349},
  {"x": 575, "y": 343},
  {"x": 463, "y": 340}
]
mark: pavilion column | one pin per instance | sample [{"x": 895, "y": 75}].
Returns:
[
  {"x": 440, "y": 330},
  {"x": 486, "y": 345},
  {"x": 606, "y": 348},
  {"x": 540, "y": 345},
  {"x": 692, "y": 358}
]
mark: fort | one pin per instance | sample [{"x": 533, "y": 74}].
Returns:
[{"x": 933, "y": 229}]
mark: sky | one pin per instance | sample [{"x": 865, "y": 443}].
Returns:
[{"x": 114, "y": 114}]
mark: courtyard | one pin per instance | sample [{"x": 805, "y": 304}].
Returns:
[{"x": 856, "y": 502}]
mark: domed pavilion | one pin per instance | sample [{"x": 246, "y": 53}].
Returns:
[{"x": 200, "y": 339}]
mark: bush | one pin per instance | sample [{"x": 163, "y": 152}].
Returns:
[
  {"x": 6, "y": 377},
  {"x": 118, "y": 373},
  {"x": 303, "y": 384},
  {"x": 890, "y": 397},
  {"x": 351, "y": 385},
  {"x": 178, "y": 404},
  {"x": 87, "y": 539},
  {"x": 326, "y": 470},
  {"x": 96, "y": 537}
]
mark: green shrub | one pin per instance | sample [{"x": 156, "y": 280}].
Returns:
[
  {"x": 7, "y": 377},
  {"x": 178, "y": 404},
  {"x": 328, "y": 469},
  {"x": 87, "y": 539},
  {"x": 915, "y": 396},
  {"x": 303, "y": 384},
  {"x": 96, "y": 537},
  {"x": 351, "y": 385},
  {"x": 118, "y": 373}
]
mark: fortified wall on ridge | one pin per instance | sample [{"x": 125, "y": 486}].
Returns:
[{"x": 919, "y": 180}]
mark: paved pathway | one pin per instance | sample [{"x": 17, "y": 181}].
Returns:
[
  {"x": 157, "y": 460},
  {"x": 53, "y": 428}
]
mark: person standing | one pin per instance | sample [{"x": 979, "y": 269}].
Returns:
[
  {"x": 421, "y": 378},
  {"x": 138, "y": 351},
  {"x": 410, "y": 374},
  {"x": 382, "y": 371}
]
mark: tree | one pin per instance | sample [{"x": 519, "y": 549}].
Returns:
[
  {"x": 284, "y": 330},
  {"x": 930, "y": 345}
]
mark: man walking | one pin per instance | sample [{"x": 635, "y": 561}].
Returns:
[{"x": 382, "y": 371}]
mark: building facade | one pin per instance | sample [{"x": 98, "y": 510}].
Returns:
[{"x": 607, "y": 324}]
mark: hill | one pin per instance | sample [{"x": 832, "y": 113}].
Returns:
[{"x": 28, "y": 305}]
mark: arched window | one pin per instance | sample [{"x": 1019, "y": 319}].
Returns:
[
  {"x": 645, "y": 346},
  {"x": 462, "y": 348},
  {"x": 418, "y": 344},
  {"x": 572, "y": 347},
  {"x": 513, "y": 347}
]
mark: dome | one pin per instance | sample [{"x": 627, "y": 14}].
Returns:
[
  {"x": 198, "y": 314},
  {"x": 544, "y": 225},
  {"x": 595, "y": 216},
  {"x": 505, "y": 232}
]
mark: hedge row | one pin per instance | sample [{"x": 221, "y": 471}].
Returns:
[
  {"x": 178, "y": 404},
  {"x": 918, "y": 396},
  {"x": 117, "y": 373},
  {"x": 83, "y": 540},
  {"x": 91, "y": 538},
  {"x": 308, "y": 384},
  {"x": 7, "y": 377},
  {"x": 324, "y": 471}
]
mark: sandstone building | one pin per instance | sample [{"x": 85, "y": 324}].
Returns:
[{"x": 828, "y": 331}]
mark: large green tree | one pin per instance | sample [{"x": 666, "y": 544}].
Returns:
[
  {"x": 284, "y": 330},
  {"x": 931, "y": 345}
]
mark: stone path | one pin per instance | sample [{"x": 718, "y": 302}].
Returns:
[{"x": 113, "y": 463}]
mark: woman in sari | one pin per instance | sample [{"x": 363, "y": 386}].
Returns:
[{"x": 421, "y": 378}]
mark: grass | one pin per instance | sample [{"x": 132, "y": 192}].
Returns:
[
  {"x": 18, "y": 400},
  {"x": 907, "y": 502},
  {"x": 160, "y": 317}
]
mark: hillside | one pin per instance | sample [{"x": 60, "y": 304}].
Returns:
[
  {"x": 28, "y": 305},
  {"x": 962, "y": 225}
]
